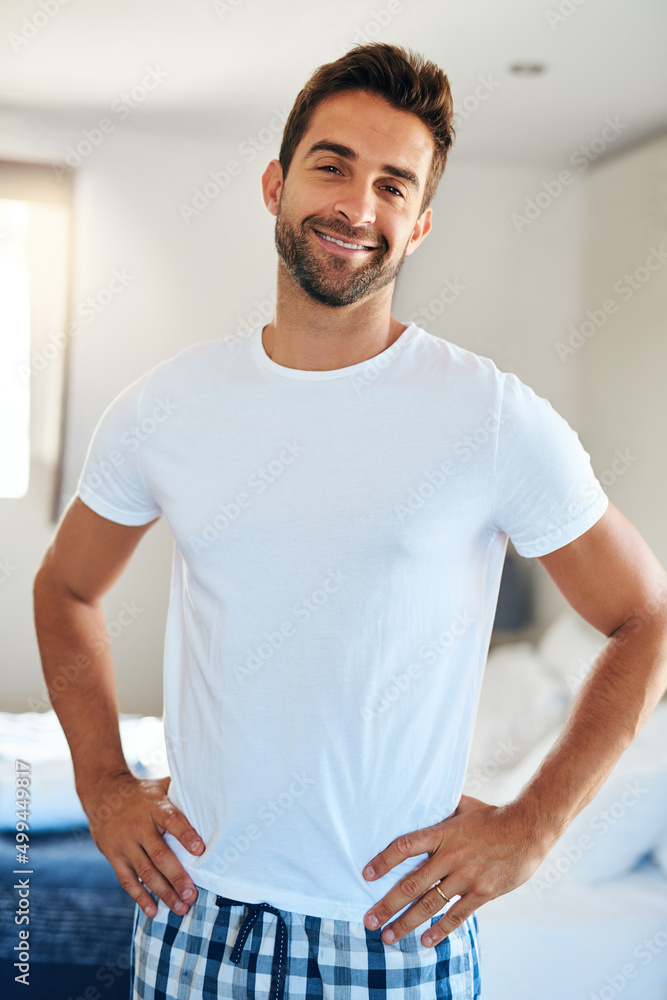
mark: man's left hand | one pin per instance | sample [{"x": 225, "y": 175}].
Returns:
[{"x": 479, "y": 852}]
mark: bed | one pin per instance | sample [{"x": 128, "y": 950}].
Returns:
[
  {"x": 591, "y": 923},
  {"x": 80, "y": 920}
]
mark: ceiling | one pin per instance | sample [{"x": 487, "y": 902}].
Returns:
[{"x": 226, "y": 62}]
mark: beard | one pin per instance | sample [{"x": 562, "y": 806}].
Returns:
[{"x": 328, "y": 278}]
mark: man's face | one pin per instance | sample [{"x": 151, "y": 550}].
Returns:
[{"x": 351, "y": 195}]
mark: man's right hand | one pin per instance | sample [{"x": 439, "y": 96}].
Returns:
[{"x": 127, "y": 817}]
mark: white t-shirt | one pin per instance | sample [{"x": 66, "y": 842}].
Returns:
[{"x": 339, "y": 538}]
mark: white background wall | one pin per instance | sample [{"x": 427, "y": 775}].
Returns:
[
  {"x": 202, "y": 280},
  {"x": 624, "y": 363}
]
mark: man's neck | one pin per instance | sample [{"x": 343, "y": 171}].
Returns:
[{"x": 307, "y": 335}]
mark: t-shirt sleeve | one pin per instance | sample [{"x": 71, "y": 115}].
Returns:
[
  {"x": 111, "y": 481},
  {"x": 545, "y": 491}
]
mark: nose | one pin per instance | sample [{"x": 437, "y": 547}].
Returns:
[{"x": 357, "y": 203}]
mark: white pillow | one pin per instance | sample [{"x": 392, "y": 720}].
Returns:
[
  {"x": 513, "y": 779},
  {"x": 519, "y": 702},
  {"x": 53, "y": 802},
  {"x": 144, "y": 745},
  {"x": 38, "y": 739},
  {"x": 568, "y": 648},
  {"x": 626, "y": 820}
]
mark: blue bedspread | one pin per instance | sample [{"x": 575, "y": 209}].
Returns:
[{"x": 80, "y": 920}]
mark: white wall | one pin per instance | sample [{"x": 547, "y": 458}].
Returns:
[
  {"x": 625, "y": 361},
  {"x": 199, "y": 281}
]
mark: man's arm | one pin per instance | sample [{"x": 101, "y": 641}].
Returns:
[
  {"x": 127, "y": 815},
  {"x": 613, "y": 580}
]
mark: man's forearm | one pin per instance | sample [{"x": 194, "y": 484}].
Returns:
[
  {"x": 624, "y": 685},
  {"x": 80, "y": 679}
]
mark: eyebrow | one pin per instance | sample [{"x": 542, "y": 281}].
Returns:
[{"x": 347, "y": 153}]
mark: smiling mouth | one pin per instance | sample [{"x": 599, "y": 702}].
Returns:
[{"x": 342, "y": 243}]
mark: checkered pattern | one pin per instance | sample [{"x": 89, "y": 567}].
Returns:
[{"x": 194, "y": 956}]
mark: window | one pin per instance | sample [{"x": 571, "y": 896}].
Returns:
[{"x": 35, "y": 237}]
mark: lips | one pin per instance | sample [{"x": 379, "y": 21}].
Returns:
[{"x": 356, "y": 244}]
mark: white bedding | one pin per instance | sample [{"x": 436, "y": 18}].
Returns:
[
  {"x": 38, "y": 739},
  {"x": 577, "y": 942},
  {"x": 591, "y": 926}
]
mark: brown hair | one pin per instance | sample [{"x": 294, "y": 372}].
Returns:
[{"x": 405, "y": 79}]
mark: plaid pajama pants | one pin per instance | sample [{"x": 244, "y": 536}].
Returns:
[{"x": 225, "y": 948}]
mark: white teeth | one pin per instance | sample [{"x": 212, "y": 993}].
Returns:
[{"x": 351, "y": 246}]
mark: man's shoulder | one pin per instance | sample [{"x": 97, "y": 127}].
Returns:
[
  {"x": 191, "y": 366},
  {"x": 456, "y": 360},
  {"x": 201, "y": 352}
]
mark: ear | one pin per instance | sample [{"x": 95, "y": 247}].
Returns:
[
  {"x": 421, "y": 230},
  {"x": 272, "y": 182}
]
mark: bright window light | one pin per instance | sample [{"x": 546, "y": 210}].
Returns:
[{"x": 14, "y": 348}]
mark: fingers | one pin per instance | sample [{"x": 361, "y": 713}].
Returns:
[
  {"x": 429, "y": 905},
  {"x": 408, "y": 889},
  {"x": 453, "y": 918},
  {"x": 129, "y": 882},
  {"x": 407, "y": 845},
  {"x": 173, "y": 820},
  {"x": 164, "y": 873},
  {"x": 162, "y": 870},
  {"x": 130, "y": 835},
  {"x": 168, "y": 871},
  {"x": 156, "y": 868},
  {"x": 426, "y": 903}
]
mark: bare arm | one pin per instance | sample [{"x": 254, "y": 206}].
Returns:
[
  {"x": 614, "y": 581},
  {"x": 127, "y": 815},
  {"x": 84, "y": 560}
]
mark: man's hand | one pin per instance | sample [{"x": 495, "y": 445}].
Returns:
[
  {"x": 480, "y": 852},
  {"x": 127, "y": 817}
]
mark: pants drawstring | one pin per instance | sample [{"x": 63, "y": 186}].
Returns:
[{"x": 278, "y": 969}]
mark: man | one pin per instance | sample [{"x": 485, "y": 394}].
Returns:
[{"x": 341, "y": 488}]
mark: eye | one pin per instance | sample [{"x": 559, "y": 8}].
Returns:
[{"x": 387, "y": 187}]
